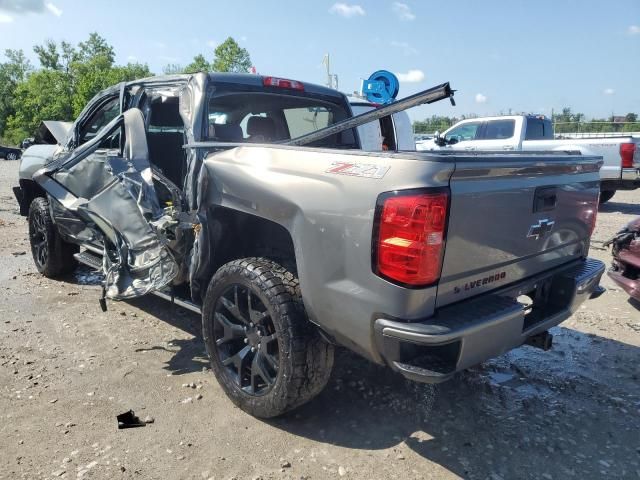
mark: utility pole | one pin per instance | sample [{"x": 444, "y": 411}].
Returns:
[
  {"x": 327, "y": 63},
  {"x": 332, "y": 79}
]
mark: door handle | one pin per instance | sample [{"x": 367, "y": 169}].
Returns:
[
  {"x": 469, "y": 148},
  {"x": 545, "y": 199},
  {"x": 508, "y": 147}
]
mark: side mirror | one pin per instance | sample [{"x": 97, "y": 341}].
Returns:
[{"x": 438, "y": 139}]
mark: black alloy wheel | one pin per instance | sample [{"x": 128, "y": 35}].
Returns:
[
  {"x": 246, "y": 340},
  {"x": 39, "y": 239}
]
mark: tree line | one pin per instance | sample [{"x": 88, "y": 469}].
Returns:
[
  {"x": 68, "y": 76},
  {"x": 564, "y": 122}
]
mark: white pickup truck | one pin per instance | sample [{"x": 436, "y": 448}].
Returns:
[{"x": 621, "y": 154}]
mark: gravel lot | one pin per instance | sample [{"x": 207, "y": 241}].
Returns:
[{"x": 67, "y": 370}]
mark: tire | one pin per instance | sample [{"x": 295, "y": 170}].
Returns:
[
  {"x": 52, "y": 255},
  {"x": 279, "y": 362},
  {"x": 12, "y": 156},
  {"x": 606, "y": 195}
]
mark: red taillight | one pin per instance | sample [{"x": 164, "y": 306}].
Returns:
[
  {"x": 626, "y": 154},
  {"x": 282, "y": 83},
  {"x": 410, "y": 237}
]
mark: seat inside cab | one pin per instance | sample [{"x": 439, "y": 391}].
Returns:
[{"x": 165, "y": 138}]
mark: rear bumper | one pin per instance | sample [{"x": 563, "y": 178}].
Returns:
[
  {"x": 472, "y": 331},
  {"x": 629, "y": 180},
  {"x": 631, "y": 174}
]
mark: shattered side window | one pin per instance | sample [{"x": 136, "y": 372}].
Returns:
[{"x": 99, "y": 119}]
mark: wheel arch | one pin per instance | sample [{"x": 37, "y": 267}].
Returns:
[
  {"x": 30, "y": 191},
  {"x": 229, "y": 235}
]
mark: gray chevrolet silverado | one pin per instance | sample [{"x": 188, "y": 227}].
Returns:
[{"x": 247, "y": 199}]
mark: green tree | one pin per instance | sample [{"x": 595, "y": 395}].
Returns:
[
  {"x": 69, "y": 77},
  {"x": 230, "y": 57},
  {"x": 96, "y": 47},
  {"x": 48, "y": 55},
  {"x": 12, "y": 73},
  {"x": 199, "y": 64},
  {"x": 41, "y": 97}
]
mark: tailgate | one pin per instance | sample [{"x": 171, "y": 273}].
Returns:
[{"x": 513, "y": 216}]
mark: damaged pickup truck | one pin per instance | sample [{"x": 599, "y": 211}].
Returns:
[{"x": 247, "y": 199}]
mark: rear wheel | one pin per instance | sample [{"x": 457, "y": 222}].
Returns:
[
  {"x": 11, "y": 156},
  {"x": 52, "y": 255},
  {"x": 606, "y": 195},
  {"x": 265, "y": 353}
]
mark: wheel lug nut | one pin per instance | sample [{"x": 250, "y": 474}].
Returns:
[
  {"x": 246, "y": 340},
  {"x": 251, "y": 324},
  {"x": 253, "y": 349}
]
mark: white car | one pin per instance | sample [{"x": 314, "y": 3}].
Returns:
[{"x": 621, "y": 155}]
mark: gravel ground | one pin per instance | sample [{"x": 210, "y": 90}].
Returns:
[{"x": 67, "y": 370}]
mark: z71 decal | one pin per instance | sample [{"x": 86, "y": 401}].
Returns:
[{"x": 366, "y": 170}]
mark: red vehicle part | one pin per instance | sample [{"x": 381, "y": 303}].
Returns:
[{"x": 626, "y": 259}]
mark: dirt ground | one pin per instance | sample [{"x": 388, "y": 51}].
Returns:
[{"x": 67, "y": 370}]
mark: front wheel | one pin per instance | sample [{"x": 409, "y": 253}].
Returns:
[
  {"x": 11, "y": 156},
  {"x": 51, "y": 254},
  {"x": 265, "y": 353}
]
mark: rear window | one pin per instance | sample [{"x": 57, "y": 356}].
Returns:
[
  {"x": 499, "y": 129},
  {"x": 269, "y": 118},
  {"x": 538, "y": 129}
]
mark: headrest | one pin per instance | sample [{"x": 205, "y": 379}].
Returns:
[
  {"x": 165, "y": 114},
  {"x": 261, "y": 126},
  {"x": 226, "y": 133}
]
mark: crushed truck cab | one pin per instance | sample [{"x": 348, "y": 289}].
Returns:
[{"x": 248, "y": 199}]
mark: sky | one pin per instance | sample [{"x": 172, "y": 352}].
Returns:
[{"x": 499, "y": 55}]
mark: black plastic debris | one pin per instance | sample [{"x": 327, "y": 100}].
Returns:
[{"x": 129, "y": 420}]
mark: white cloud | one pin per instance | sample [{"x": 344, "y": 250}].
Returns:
[
  {"x": 212, "y": 44},
  {"x": 480, "y": 98},
  {"x": 633, "y": 30},
  {"x": 412, "y": 76},
  {"x": 608, "y": 91},
  {"x": 403, "y": 11},
  {"x": 53, "y": 9},
  {"x": 22, "y": 6},
  {"x": 347, "y": 11},
  {"x": 243, "y": 38},
  {"x": 4, "y": 18},
  {"x": 132, "y": 58},
  {"x": 406, "y": 48}
]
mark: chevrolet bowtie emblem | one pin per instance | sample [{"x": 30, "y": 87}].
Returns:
[{"x": 541, "y": 229}]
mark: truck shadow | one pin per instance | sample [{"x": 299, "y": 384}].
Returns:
[
  {"x": 618, "y": 207},
  {"x": 524, "y": 414},
  {"x": 188, "y": 354}
]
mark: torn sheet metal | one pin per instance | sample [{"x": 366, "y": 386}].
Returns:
[
  {"x": 117, "y": 195},
  {"x": 143, "y": 262}
]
